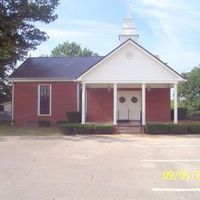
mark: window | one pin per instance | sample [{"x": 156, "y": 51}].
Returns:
[{"x": 44, "y": 100}]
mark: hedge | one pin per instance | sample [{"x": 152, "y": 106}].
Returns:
[
  {"x": 194, "y": 129},
  {"x": 179, "y": 129},
  {"x": 66, "y": 128},
  {"x": 99, "y": 129},
  {"x": 74, "y": 128},
  {"x": 172, "y": 129},
  {"x": 157, "y": 128},
  {"x": 83, "y": 129}
]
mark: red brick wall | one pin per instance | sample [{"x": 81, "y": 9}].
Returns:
[
  {"x": 64, "y": 98},
  {"x": 158, "y": 105},
  {"x": 100, "y": 105}
]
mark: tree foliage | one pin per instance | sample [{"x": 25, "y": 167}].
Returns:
[
  {"x": 189, "y": 92},
  {"x": 18, "y": 34},
  {"x": 5, "y": 92},
  {"x": 71, "y": 49}
]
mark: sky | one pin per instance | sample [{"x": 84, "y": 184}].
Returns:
[{"x": 168, "y": 28}]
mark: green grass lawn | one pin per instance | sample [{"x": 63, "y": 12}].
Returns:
[{"x": 13, "y": 130}]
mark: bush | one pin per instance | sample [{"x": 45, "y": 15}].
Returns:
[
  {"x": 73, "y": 117},
  {"x": 74, "y": 128},
  {"x": 103, "y": 129},
  {"x": 182, "y": 114},
  {"x": 195, "y": 116},
  {"x": 83, "y": 129},
  {"x": 44, "y": 123},
  {"x": 172, "y": 129},
  {"x": 61, "y": 122},
  {"x": 157, "y": 129},
  {"x": 194, "y": 129},
  {"x": 179, "y": 129},
  {"x": 66, "y": 128}
]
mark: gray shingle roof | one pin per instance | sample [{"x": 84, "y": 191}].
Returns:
[{"x": 54, "y": 67}]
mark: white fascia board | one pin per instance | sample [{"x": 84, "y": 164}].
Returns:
[
  {"x": 40, "y": 79},
  {"x": 131, "y": 81}
]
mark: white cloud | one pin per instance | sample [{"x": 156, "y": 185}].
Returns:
[
  {"x": 174, "y": 26},
  {"x": 176, "y": 29},
  {"x": 95, "y": 35}
]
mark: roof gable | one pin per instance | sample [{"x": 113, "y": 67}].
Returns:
[{"x": 130, "y": 62}]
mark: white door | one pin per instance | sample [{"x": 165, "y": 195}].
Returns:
[{"x": 129, "y": 105}]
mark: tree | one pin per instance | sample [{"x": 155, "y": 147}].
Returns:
[
  {"x": 18, "y": 35},
  {"x": 189, "y": 92},
  {"x": 5, "y": 91},
  {"x": 71, "y": 49}
]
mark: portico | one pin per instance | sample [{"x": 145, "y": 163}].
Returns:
[{"x": 129, "y": 101}]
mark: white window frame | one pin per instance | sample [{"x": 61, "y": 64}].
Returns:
[{"x": 50, "y": 102}]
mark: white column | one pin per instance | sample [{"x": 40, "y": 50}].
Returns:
[
  {"x": 115, "y": 104},
  {"x": 83, "y": 103},
  {"x": 143, "y": 104},
  {"x": 175, "y": 104}
]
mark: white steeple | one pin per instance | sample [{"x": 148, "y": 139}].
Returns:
[{"x": 128, "y": 30}]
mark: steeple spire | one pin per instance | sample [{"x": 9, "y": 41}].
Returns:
[{"x": 128, "y": 30}]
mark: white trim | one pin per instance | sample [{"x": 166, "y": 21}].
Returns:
[
  {"x": 140, "y": 48},
  {"x": 50, "y": 103},
  {"x": 115, "y": 104},
  {"x": 86, "y": 101},
  {"x": 41, "y": 79},
  {"x": 175, "y": 104},
  {"x": 83, "y": 104},
  {"x": 12, "y": 104},
  {"x": 78, "y": 96},
  {"x": 143, "y": 104},
  {"x": 130, "y": 81}
]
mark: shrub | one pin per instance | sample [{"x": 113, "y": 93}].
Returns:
[
  {"x": 157, "y": 128},
  {"x": 83, "y": 128},
  {"x": 172, "y": 129},
  {"x": 73, "y": 117},
  {"x": 61, "y": 122},
  {"x": 194, "y": 129},
  {"x": 44, "y": 123},
  {"x": 101, "y": 129},
  {"x": 179, "y": 129},
  {"x": 67, "y": 128},
  {"x": 182, "y": 114},
  {"x": 195, "y": 116}
]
